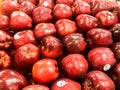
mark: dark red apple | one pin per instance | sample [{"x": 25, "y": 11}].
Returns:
[
  {"x": 44, "y": 29},
  {"x": 51, "y": 47},
  {"x": 27, "y": 7},
  {"x": 46, "y": 3},
  {"x": 45, "y": 71},
  {"x": 67, "y": 2},
  {"x": 65, "y": 27},
  {"x": 5, "y": 40},
  {"x": 8, "y": 6},
  {"x": 97, "y": 37},
  {"x": 97, "y": 80},
  {"x": 74, "y": 65},
  {"x": 33, "y": 1},
  {"x": 26, "y": 56},
  {"x": 4, "y": 22},
  {"x": 62, "y": 11},
  {"x": 74, "y": 43},
  {"x": 107, "y": 19},
  {"x": 35, "y": 87},
  {"x": 85, "y": 22},
  {"x": 11, "y": 80},
  {"x": 20, "y": 21},
  {"x": 101, "y": 58},
  {"x": 81, "y": 7},
  {"x": 5, "y": 60},
  {"x": 24, "y": 37},
  {"x": 42, "y": 15},
  {"x": 65, "y": 84}
]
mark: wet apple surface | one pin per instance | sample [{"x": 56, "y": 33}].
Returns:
[{"x": 59, "y": 45}]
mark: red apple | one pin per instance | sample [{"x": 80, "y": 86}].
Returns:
[
  {"x": 97, "y": 80},
  {"x": 62, "y": 11},
  {"x": 85, "y": 22},
  {"x": 97, "y": 37},
  {"x": 51, "y": 47},
  {"x": 74, "y": 43},
  {"x": 20, "y": 21},
  {"x": 67, "y": 2},
  {"x": 75, "y": 65},
  {"x": 26, "y": 56},
  {"x": 27, "y": 7},
  {"x": 4, "y": 22},
  {"x": 45, "y": 71},
  {"x": 35, "y": 87},
  {"x": 44, "y": 29},
  {"x": 5, "y": 40},
  {"x": 65, "y": 84},
  {"x": 33, "y": 1},
  {"x": 101, "y": 58},
  {"x": 11, "y": 80},
  {"x": 106, "y": 19},
  {"x": 24, "y": 37},
  {"x": 5, "y": 60},
  {"x": 42, "y": 15},
  {"x": 46, "y": 3},
  {"x": 81, "y": 7},
  {"x": 65, "y": 27}
]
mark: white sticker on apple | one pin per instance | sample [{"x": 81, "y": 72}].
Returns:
[
  {"x": 106, "y": 67},
  {"x": 61, "y": 83}
]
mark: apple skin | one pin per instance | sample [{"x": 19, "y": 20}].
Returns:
[
  {"x": 23, "y": 37},
  {"x": 5, "y": 40},
  {"x": 85, "y": 22},
  {"x": 42, "y": 15},
  {"x": 65, "y": 84},
  {"x": 36, "y": 87},
  {"x": 67, "y": 2},
  {"x": 74, "y": 65},
  {"x": 46, "y": 3},
  {"x": 81, "y": 7},
  {"x": 62, "y": 11},
  {"x": 101, "y": 58},
  {"x": 46, "y": 69},
  {"x": 44, "y": 29},
  {"x": 23, "y": 21},
  {"x": 33, "y": 1},
  {"x": 27, "y": 7},
  {"x": 97, "y": 80},
  {"x": 51, "y": 47},
  {"x": 4, "y": 22},
  {"x": 12, "y": 80},
  {"x": 5, "y": 60},
  {"x": 26, "y": 56},
  {"x": 65, "y": 27}
]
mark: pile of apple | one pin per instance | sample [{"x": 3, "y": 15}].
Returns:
[{"x": 60, "y": 45}]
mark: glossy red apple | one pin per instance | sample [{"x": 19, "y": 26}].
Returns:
[
  {"x": 101, "y": 58},
  {"x": 65, "y": 84},
  {"x": 51, "y": 47},
  {"x": 4, "y": 22},
  {"x": 85, "y": 22},
  {"x": 44, "y": 29},
  {"x": 74, "y": 65},
  {"x": 74, "y": 43},
  {"x": 81, "y": 7},
  {"x": 26, "y": 56},
  {"x": 35, "y": 87},
  {"x": 11, "y": 80},
  {"x": 24, "y": 37},
  {"x": 27, "y": 7},
  {"x": 97, "y": 37},
  {"x": 5, "y": 60},
  {"x": 20, "y": 21},
  {"x": 97, "y": 80},
  {"x": 67, "y": 2},
  {"x": 65, "y": 27},
  {"x": 45, "y": 71},
  {"x": 5, "y": 40},
  {"x": 106, "y": 19},
  {"x": 62, "y": 11},
  {"x": 46, "y": 3},
  {"x": 33, "y": 1},
  {"x": 42, "y": 15}
]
